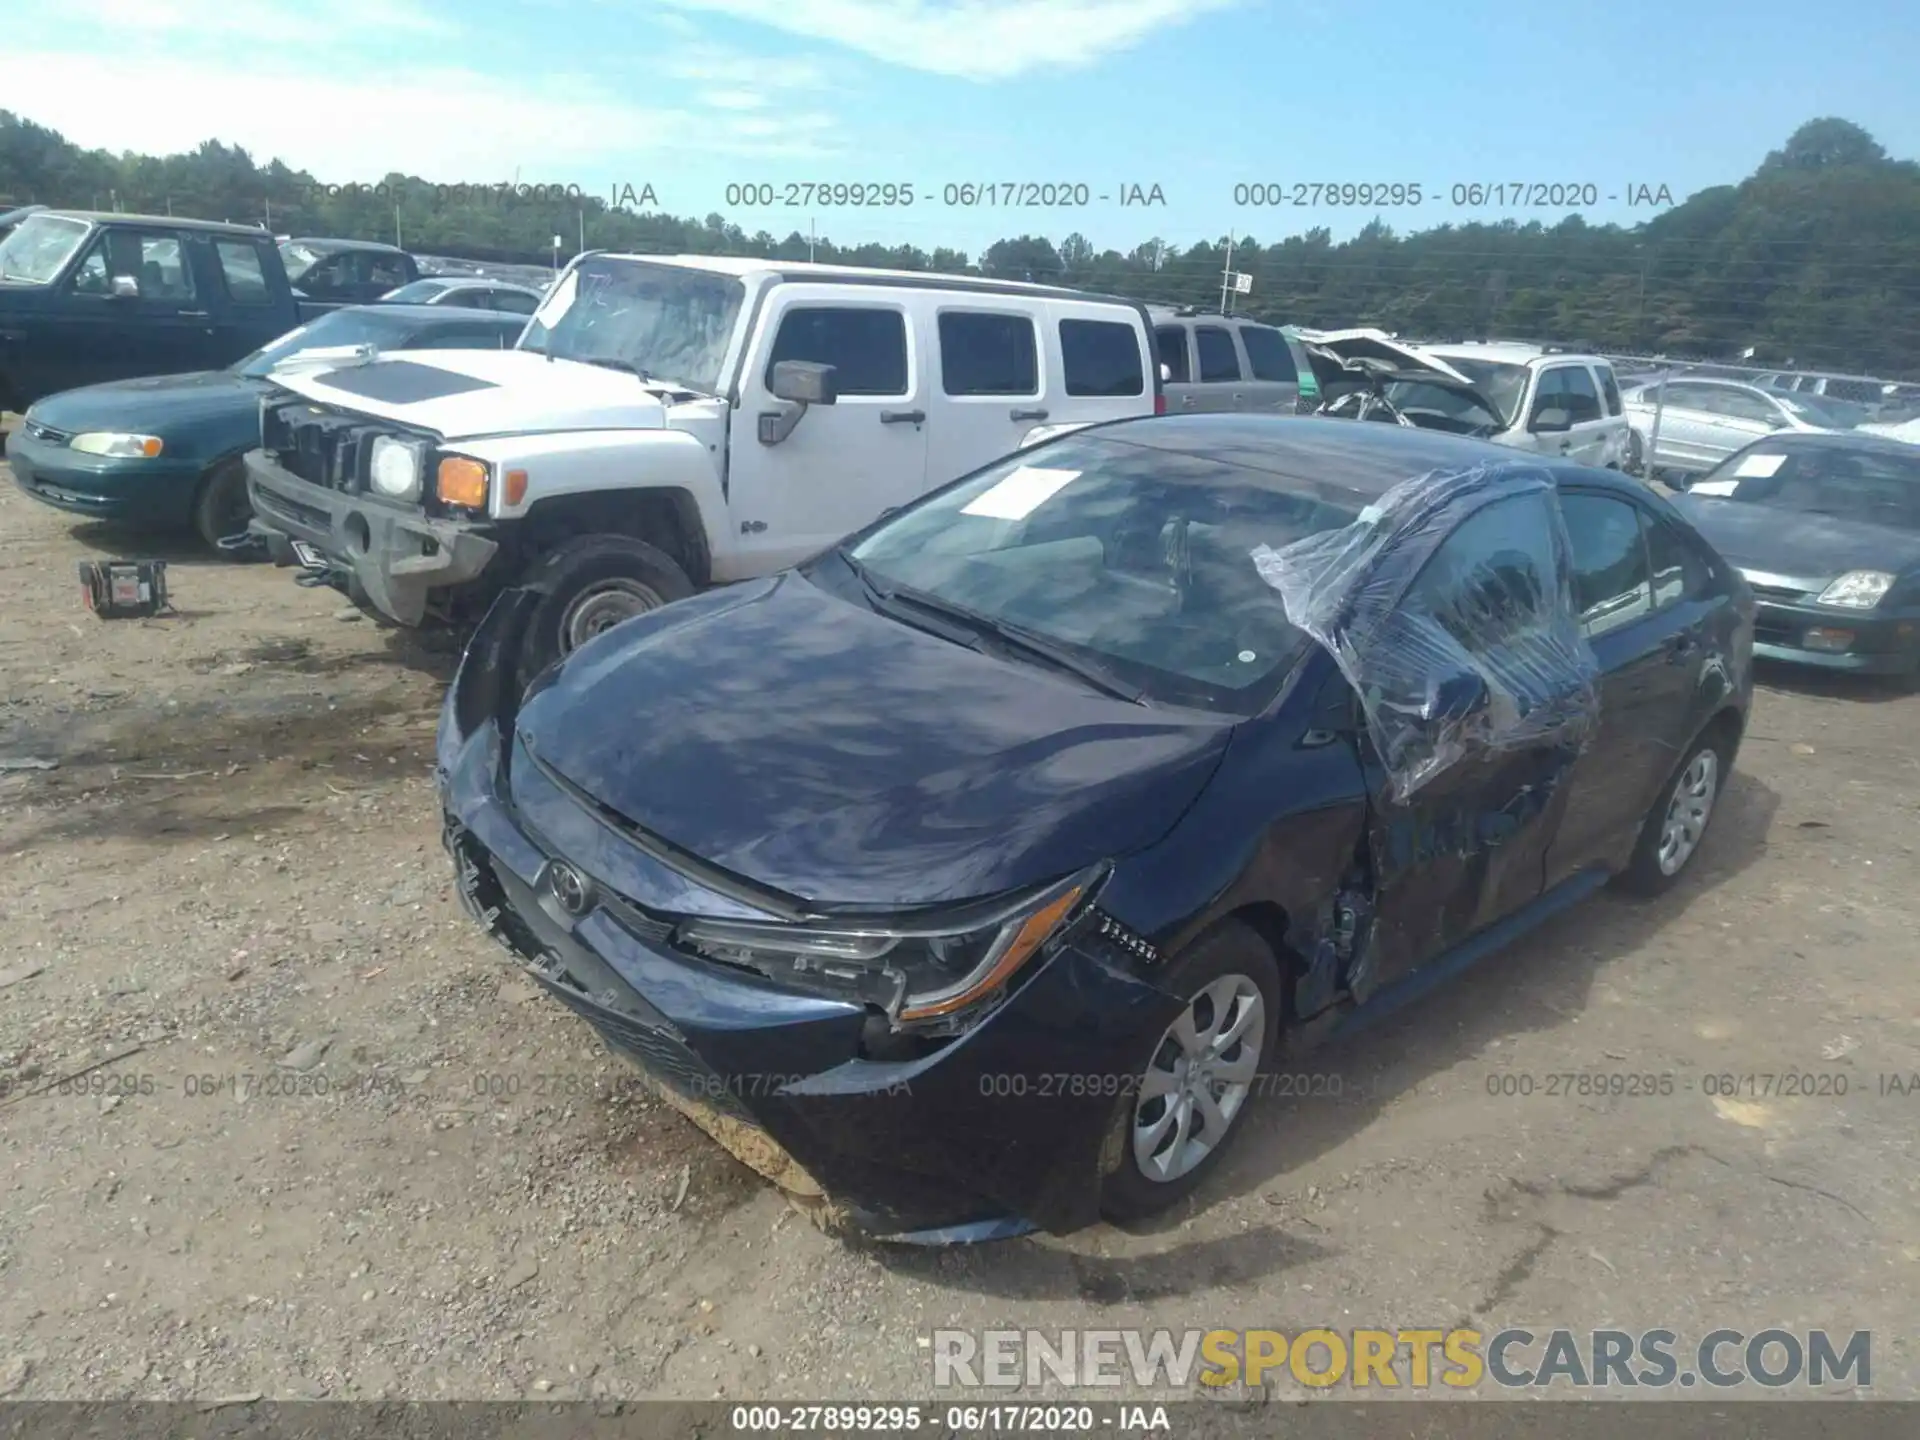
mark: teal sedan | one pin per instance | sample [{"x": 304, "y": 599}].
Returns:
[{"x": 162, "y": 453}]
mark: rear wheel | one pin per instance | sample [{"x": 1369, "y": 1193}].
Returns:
[
  {"x": 222, "y": 507},
  {"x": 1674, "y": 828},
  {"x": 1193, "y": 1085},
  {"x": 589, "y": 585},
  {"x": 1636, "y": 454}
]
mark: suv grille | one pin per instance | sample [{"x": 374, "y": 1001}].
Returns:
[{"x": 321, "y": 446}]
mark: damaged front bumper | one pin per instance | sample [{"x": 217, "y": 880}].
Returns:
[
  {"x": 390, "y": 557},
  {"x": 993, "y": 1133}
]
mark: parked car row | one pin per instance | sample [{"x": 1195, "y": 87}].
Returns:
[{"x": 1024, "y": 728}]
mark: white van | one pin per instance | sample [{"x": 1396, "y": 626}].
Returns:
[{"x": 669, "y": 422}]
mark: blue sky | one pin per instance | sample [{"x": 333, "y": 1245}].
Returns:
[{"x": 1196, "y": 96}]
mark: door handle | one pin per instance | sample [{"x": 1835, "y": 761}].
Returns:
[
  {"x": 1187, "y": 401},
  {"x": 1029, "y": 415},
  {"x": 903, "y": 417},
  {"x": 193, "y": 314}
]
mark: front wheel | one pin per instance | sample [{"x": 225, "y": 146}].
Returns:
[
  {"x": 1193, "y": 1085},
  {"x": 222, "y": 507},
  {"x": 589, "y": 585},
  {"x": 1636, "y": 455},
  {"x": 1674, "y": 828}
]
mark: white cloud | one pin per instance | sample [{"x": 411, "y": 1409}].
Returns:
[
  {"x": 971, "y": 39},
  {"x": 282, "y": 21},
  {"x": 350, "y": 123}
]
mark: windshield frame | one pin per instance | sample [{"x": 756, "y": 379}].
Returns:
[
  {"x": 838, "y": 569},
  {"x": 32, "y": 225},
  {"x": 594, "y": 274}
]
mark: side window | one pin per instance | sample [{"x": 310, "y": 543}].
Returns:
[
  {"x": 512, "y": 302},
  {"x": 460, "y": 337},
  {"x": 1611, "y": 586},
  {"x": 1609, "y": 387},
  {"x": 1680, "y": 572},
  {"x": 242, "y": 268},
  {"x": 1267, "y": 352},
  {"x": 1172, "y": 340},
  {"x": 1551, "y": 394},
  {"x": 1744, "y": 406},
  {"x": 389, "y": 271},
  {"x": 327, "y": 276},
  {"x": 868, "y": 346},
  {"x": 1101, "y": 357},
  {"x": 1687, "y": 397},
  {"x": 1495, "y": 578},
  {"x": 1219, "y": 361},
  {"x": 1583, "y": 400},
  {"x": 156, "y": 261},
  {"x": 986, "y": 354}
]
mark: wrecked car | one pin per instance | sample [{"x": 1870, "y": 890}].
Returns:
[{"x": 965, "y": 879}]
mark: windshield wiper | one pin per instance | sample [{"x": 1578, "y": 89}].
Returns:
[
  {"x": 614, "y": 362},
  {"x": 887, "y": 598}
]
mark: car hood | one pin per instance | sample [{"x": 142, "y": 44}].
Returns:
[
  {"x": 147, "y": 406},
  {"x": 805, "y": 744},
  {"x": 464, "y": 394},
  {"x": 1811, "y": 550},
  {"x": 1331, "y": 350}
]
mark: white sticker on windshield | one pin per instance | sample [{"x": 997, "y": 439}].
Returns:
[
  {"x": 1020, "y": 493},
  {"x": 1713, "y": 487},
  {"x": 559, "y": 301},
  {"x": 1760, "y": 465}
]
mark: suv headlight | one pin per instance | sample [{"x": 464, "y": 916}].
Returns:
[
  {"x": 394, "y": 467},
  {"x": 925, "y": 976},
  {"x": 1858, "y": 589},
  {"x": 117, "y": 444}
]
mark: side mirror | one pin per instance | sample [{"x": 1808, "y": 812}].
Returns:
[
  {"x": 1551, "y": 422},
  {"x": 1166, "y": 373},
  {"x": 1454, "y": 697},
  {"x": 804, "y": 382},
  {"x": 801, "y": 383},
  {"x": 124, "y": 287}
]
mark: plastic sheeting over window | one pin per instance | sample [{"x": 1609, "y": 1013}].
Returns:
[{"x": 1448, "y": 605}]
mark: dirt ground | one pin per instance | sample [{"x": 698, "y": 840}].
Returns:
[{"x": 342, "y": 1150}]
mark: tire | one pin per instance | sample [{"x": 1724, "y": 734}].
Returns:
[
  {"x": 221, "y": 507},
  {"x": 1698, "y": 779},
  {"x": 589, "y": 585},
  {"x": 1636, "y": 455},
  {"x": 1230, "y": 963}
]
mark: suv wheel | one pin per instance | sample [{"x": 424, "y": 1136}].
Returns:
[
  {"x": 1186, "y": 1100},
  {"x": 588, "y": 586},
  {"x": 1674, "y": 828}
]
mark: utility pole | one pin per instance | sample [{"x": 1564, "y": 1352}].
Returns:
[
  {"x": 1226, "y": 276},
  {"x": 813, "y": 236}
]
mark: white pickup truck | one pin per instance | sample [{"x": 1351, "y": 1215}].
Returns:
[{"x": 667, "y": 423}]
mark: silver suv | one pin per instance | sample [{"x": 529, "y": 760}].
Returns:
[{"x": 1222, "y": 362}]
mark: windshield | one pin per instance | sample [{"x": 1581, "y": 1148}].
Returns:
[
  {"x": 37, "y": 249},
  {"x": 335, "y": 328},
  {"x": 1872, "y": 487},
  {"x": 1137, "y": 559},
  {"x": 418, "y": 292},
  {"x": 1504, "y": 385},
  {"x": 1442, "y": 407},
  {"x": 299, "y": 259},
  {"x": 668, "y": 322}
]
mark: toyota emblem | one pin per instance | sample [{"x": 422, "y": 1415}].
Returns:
[{"x": 569, "y": 887}]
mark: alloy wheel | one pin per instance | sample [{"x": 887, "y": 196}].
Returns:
[
  {"x": 1200, "y": 1076},
  {"x": 1688, "y": 811}
]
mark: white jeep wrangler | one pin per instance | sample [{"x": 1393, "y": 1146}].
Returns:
[{"x": 667, "y": 423}]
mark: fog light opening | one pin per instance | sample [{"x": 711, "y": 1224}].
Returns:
[
  {"x": 358, "y": 536},
  {"x": 1830, "y": 641}
]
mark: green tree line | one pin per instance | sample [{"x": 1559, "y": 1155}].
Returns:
[{"x": 1813, "y": 258}]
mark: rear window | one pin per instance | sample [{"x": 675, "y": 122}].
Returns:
[
  {"x": 985, "y": 354},
  {"x": 1267, "y": 352},
  {"x": 1172, "y": 340},
  {"x": 1219, "y": 361},
  {"x": 1101, "y": 357}
]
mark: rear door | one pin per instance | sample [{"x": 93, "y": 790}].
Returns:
[
  {"x": 1099, "y": 362},
  {"x": 1217, "y": 370},
  {"x": 1469, "y": 847},
  {"x": 251, "y": 312},
  {"x": 1591, "y": 427},
  {"x": 843, "y": 463},
  {"x": 1687, "y": 425},
  {"x": 989, "y": 387},
  {"x": 1275, "y": 380},
  {"x": 1176, "y": 353}
]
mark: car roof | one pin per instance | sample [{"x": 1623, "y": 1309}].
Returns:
[
  {"x": 410, "y": 311},
  {"x": 1509, "y": 352},
  {"x": 321, "y": 242},
  {"x": 165, "y": 222},
  {"x": 1363, "y": 459},
  {"x": 744, "y": 266}
]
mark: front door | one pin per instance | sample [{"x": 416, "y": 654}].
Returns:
[
  {"x": 1468, "y": 847},
  {"x": 843, "y": 463},
  {"x": 1275, "y": 383},
  {"x": 105, "y": 328}
]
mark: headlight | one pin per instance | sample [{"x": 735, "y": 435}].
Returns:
[
  {"x": 117, "y": 443},
  {"x": 393, "y": 469},
  {"x": 923, "y": 975},
  {"x": 1858, "y": 589}
]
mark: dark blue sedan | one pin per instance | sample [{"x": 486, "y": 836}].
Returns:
[
  {"x": 965, "y": 879},
  {"x": 163, "y": 453}
]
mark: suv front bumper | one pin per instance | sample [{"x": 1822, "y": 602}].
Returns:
[{"x": 394, "y": 557}]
